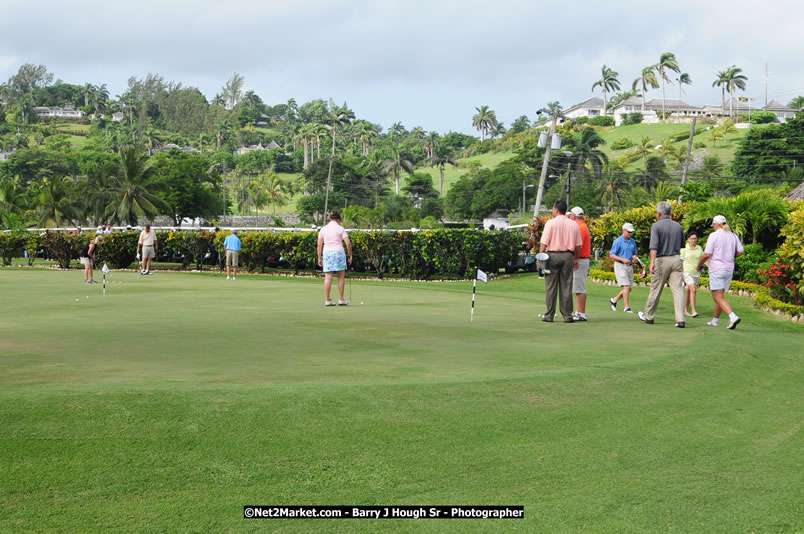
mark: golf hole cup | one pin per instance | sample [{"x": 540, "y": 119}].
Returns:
[{"x": 542, "y": 258}]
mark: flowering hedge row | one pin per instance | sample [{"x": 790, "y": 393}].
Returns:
[{"x": 416, "y": 255}]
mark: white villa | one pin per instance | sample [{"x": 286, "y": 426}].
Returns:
[
  {"x": 782, "y": 112},
  {"x": 591, "y": 107},
  {"x": 58, "y": 113},
  {"x": 677, "y": 110},
  {"x": 5, "y": 154},
  {"x": 246, "y": 149}
]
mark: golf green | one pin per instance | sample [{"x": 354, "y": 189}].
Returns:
[{"x": 176, "y": 399}]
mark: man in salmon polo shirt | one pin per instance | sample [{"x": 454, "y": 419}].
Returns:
[{"x": 562, "y": 241}]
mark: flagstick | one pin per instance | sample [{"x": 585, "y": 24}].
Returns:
[
  {"x": 474, "y": 286},
  {"x": 104, "y": 284}
]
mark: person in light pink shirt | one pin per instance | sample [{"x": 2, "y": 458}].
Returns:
[
  {"x": 331, "y": 257},
  {"x": 722, "y": 247},
  {"x": 562, "y": 241}
]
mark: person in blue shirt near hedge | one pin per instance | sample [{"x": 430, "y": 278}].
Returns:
[
  {"x": 624, "y": 253},
  {"x": 232, "y": 246}
]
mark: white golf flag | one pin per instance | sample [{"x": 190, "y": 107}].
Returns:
[
  {"x": 482, "y": 276},
  {"x": 105, "y": 269}
]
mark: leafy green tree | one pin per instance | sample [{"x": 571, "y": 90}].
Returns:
[
  {"x": 338, "y": 117},
  {"x": 583, "y": 146},
  {"x": 233, "y": 90},
  {"x": 182, "y": 181},
  {"x": 667, "y": 62},
  {"x": 608, "y": 82},
  {"x": 395, "y": 162},
  {"x": 797, "y": 103},
  {"x": 420, "y": 185},
  {"x": 771, "y": 150}
]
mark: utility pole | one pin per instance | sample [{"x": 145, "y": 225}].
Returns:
[
  {"x": 689, "y": 152},
  {"x": 569, "y": 182},
  {"x": 555, "y": 113}
]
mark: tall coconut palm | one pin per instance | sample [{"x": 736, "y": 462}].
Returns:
[
  {"x": 431, "y": 142},
  {"x": 99, "y": 98},
  {"x": 667, "y": 62},
  {"x": 483, "y": 120},
  {"x": 683, "y": 79},
  {"x": 647, "y": 79},
  {"x": 87, "y": 90},
  {"x": 319, "y": 131},
  {"x": 441, "y": 162},
  {"x": 608, "y": 82},
  {"x": 734, "y": 80},
  {"x": 130, "y": 185},
  {"x": 395, "y": 162},
  {"x": 721, "y": 81},
  {"x": 337, "y": 118}
]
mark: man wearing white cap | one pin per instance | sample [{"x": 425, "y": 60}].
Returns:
[
  {"x": 666, "y": 242},
  {"x": 722, "y": 247},
  {"x": 624, "y": 253},
  {"x": 580, "y": 274}
]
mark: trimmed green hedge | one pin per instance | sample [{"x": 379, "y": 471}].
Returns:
[{"x": 452, "y": 253}]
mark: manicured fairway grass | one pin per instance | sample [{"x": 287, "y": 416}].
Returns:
[{"x": 178, "y": 398}]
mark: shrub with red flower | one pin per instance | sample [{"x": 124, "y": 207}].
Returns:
[{"x": 782, "y": 281}]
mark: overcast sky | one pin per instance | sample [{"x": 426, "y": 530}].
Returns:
[{"x": 423, "y": 63}]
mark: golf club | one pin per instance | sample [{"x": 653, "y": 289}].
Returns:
[
  {"x": 643, "y": 274},
  {"x": 542, "y": 258}
]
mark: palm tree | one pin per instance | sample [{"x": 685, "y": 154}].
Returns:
[
  {"x": 721, "y": 82},
  {"x": 667, "y": 62},
  {"x": 87, "y": 90},
  {"x": 608, "y": 82},
  {"x": 647, "y": 79},
  {"x": 99, "y": 98},
  {"x": 728, "y": 128},
  {"x": 366, "y": 131},
  {"x": 497, "y": 129},
  {"x": 483, "y": 120},
  {"x": 431, "y": 142},
  {"x": 797, "y": 103},
  {"x": 319, "y": 131},
  {"x": 683, "y": 79},
  {"x": 666, "y": 148},
  {"x": 130, "y": 185},
  {"x": 222, "y": 132},
  {"x": 644, "y": 148},
  {"x": 680, "y": 155},
  {"x": 441, "y": 162},
  {"x": 275, "y": 190},
  {"x": 395, "y": 163},
  {"x": 584, "y": 152},
  {"x": 337, "y": 118},
  {"x": 54, "y": 202},
  {"x": 734, "y": 80},
  {"x": 717, "y": 133}
]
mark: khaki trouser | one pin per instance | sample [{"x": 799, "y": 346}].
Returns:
[
  {"x": 668, "y": 269},
  {"x": 559, "y": 281}
]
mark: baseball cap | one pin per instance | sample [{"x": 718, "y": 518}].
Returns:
[
  {"x": 577, "y": 211},
  {"x": 719, "y": 219},
  {"x": 629, "y": 227}
]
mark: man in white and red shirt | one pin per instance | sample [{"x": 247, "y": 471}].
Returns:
[{"x": 562, "y": 241}]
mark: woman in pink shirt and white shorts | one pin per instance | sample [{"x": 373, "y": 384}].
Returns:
[{"x": 331, "y": 257}]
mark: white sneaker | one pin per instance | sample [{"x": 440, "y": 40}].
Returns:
[
  {"x": 342, "y": 302},
  {"x": 733, "y": 324},
  {"x": 329, "y": 303},
  {"x": 713, "y": 323},
  {"x": 228, "y": 278},
  {"x": 628, "y": 310},
  {"x": 234, "y": 278}
]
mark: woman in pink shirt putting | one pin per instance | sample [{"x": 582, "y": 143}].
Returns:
[{"x": 331, "y": 257}]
